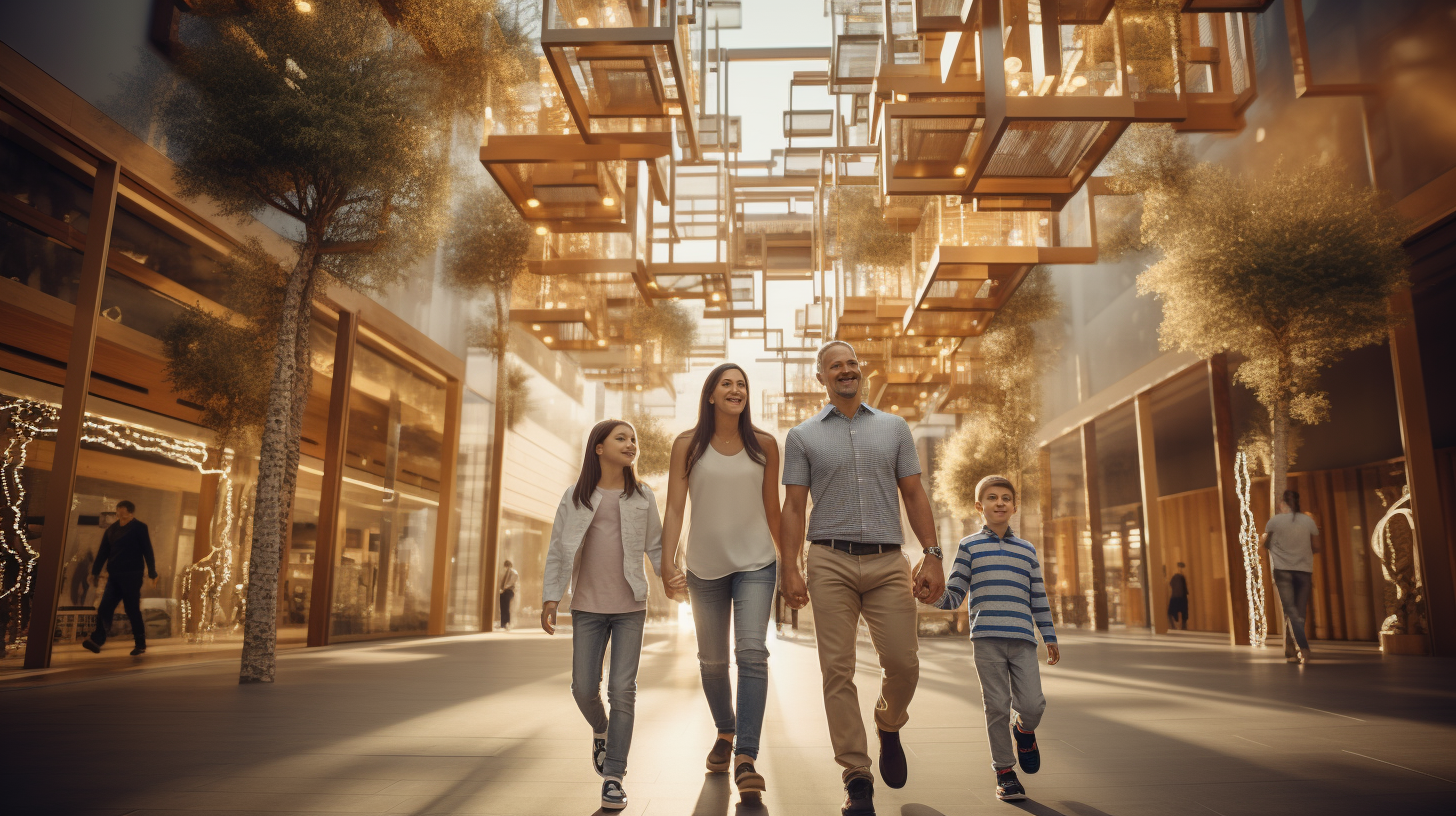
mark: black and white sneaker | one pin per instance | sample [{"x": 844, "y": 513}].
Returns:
[
  {"x": 599, "y": 754},
  {"x": 613, "y": 796},
  {"x": 1008, "y": 787},
  {"x": 859, "y": 797}
]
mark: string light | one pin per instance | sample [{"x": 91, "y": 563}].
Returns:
[{"x": 1249, "y": 543}]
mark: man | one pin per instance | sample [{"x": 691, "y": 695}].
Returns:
[
  {"x": 1178, "y": 600},
  {"x": 126, "y": 547},
  {"x": 507, "y": 592},
  {"x": 852, "y": 459}
]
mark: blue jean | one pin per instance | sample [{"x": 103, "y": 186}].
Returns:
[
  {"x": 1294, "y": 588},
  {"x": 590, "y": 634},
  {"x": 748, "y": 596}
]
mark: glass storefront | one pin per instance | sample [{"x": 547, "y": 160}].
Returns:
[
  {"x": 472, "y": 481},
  {"x": 390, "y": 501},
  {"x": 1069, "y": 585},
  {"x": 1121, "y": 536}
]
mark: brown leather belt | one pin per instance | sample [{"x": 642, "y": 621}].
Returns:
[{"x": 856, "y": 547}]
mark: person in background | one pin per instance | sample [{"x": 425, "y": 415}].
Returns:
[
  {"x": 1291, "y": 538},
  {"x": 509, "y": 578},
  {"x": 1178, "y": 600},
  {"x": 126, "y": 548},
  {"x": 604, "y": 525}
]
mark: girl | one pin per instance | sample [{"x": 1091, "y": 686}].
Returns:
[
  {"x": 731, "y": 469},
  {"x": 603, "y": 527}
]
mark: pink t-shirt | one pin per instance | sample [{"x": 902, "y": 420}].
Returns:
[{"x": 601, "y": 579}]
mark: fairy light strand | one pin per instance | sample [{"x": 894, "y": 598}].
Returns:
[{"x": 1249, "y": 543}]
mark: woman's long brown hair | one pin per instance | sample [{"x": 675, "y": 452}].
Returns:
[
  {"x": 591, "y": 465},
  {"x": 703, "y": 432}
]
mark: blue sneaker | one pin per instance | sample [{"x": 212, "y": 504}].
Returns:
[
  {"x": 1028, "y": 756},
  {"x": 1008, "y": 787}
]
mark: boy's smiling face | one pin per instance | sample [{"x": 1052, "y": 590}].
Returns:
[{"x": 997, "y": 504}]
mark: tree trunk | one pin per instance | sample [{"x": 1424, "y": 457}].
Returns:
[
  {"x": 1279, "y": 434},
  {"x": 260, "y": 630},
  {"x": 490, "y": 577},
  {"x": 302, "y": 384}
]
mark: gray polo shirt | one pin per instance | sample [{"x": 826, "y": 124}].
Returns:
[
  {"x": 1291, "y": 541},
  {"x": 851, "y": 468}
]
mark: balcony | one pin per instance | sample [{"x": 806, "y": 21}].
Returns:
[
  {"x": 717, "y": 135},
  {"x": 565, "y": 313},
  {"x": 927, "y": 145},
  {"x": 853, "y": 60},
  {"x": 699, "y": 201},
  {"x": 707, "y": 282},
  {"x": 938, "y": 15},
  {"x": 853, "y": 165},
  {"x": 1252, "y": 6},
  {"x": 1219, "y": 73},
  {"x": 622, "y": 64},
  {"x": 968, "y": 262},
  {"x": 560, "y": 183}
]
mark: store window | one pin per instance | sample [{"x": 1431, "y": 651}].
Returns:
[
  {"x": 472, "y": 483},
  {"x": 44, "y": 211},
  {"x": 1070, "y": 587},
  {"x": 1121, "y": 537},
  {"x": 523, "y": 542},
  {"x": 390, "y": 500}
]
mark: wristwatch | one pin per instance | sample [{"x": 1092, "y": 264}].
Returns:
[{"x": 935, "y": 551}]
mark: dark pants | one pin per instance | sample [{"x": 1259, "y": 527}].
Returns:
[
  {"x": 505, "y": 606},
  {"x": 1294, "y": 587},
  {"x": 1178, "y": 612},
  {"x": 124, "y": 589}
]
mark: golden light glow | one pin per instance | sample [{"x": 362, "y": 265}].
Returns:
[
  {"x": 540, "y": 230},
  {"x": 894, "y": 407},
  {"x": 601, "y": 342},
  {"x": 960, "y": 170},
  {"x": 608, "y": 201},
  {"x": 1013, "y": 64},
  {"x": 303, "y": 7},
  {"x": 582, "y": 21},
  {"x": 547, "y": 339},
  {"x": 924, "y": 394},
  {"x": 533, "y": 202},
  {"x": 910, "y": 332},
  {"x": 535, "y": 327},
  {"x": 716, "y": 297},
  {"x": 902, "y": 97},
  {"x": 1079, "y": 81}
]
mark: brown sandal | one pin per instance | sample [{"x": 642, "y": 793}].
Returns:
[
  {"x": 719, "y": 756},
  {"x": 750, "y": 783}
]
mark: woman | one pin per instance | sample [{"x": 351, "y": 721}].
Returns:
[
  {"x": 1290, "y": 536},
  {"x": 604, "y": 525},
  {"x": 731, "y": 470}
]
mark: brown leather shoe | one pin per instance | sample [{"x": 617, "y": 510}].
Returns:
[
  {"x": 892, "y": 759},
  {"x": 719, "y": 756},
  {"x": 750, "y": 783}
]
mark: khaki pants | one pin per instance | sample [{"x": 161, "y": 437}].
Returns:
[{"x": 842, "y": 587}]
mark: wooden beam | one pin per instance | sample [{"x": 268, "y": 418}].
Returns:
[
  {"x": 447, "y": 523},
  {"x": 321, "y": 595},
  {"x": 1431, "y": 522},
  {"x": 1048, "y": 530},
  {"x": 1092, "y": 491},
  {"x": 62, "y": 483},
  {"x": 1152, "y": 512},
  {"x": 1224, "y": 449}
]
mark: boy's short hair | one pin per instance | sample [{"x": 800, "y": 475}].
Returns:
[
  {"x": 995, "y": 481},
  {"x": 130, "y": 508}
]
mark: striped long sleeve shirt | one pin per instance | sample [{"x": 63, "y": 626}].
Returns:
[{"x": 1002, "y": 578}]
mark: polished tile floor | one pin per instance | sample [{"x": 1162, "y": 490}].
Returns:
[{"x": 485, "y": 725}]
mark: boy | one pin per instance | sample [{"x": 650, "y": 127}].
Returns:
[{"x": 1002, "y": 576}]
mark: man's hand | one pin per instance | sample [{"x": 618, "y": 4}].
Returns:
[
  {"x": 1054, "y": 655},
  {"x": 793, "y": 589},
  {"x": 929, "y": 582},
  {"x": 548, "y": 617}
]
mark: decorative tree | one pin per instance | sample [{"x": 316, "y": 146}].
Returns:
[
  {"x": 329, "y": 120},
  {"x": 654, "y": 444},
  {"x": 861, "y": 234},
  {"x": 1291, "y": 269},
  {"x": 513, "y": 395},
  {"x": 998, "y": 434},
  {"x": 667, "y": 323}
]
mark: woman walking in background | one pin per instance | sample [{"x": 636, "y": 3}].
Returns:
[
  {"x": 603, "y": 526},
  {"x": 1290, "y": 536},
  {"x": 731, "y": 470}
]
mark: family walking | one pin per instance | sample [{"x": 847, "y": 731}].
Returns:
[{"x": 858, "y": 464}]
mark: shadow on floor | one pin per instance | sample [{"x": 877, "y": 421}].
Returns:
[{"x": 716, "y": 794}]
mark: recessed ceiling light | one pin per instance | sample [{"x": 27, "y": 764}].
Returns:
[{"x": 533, "y": 202}]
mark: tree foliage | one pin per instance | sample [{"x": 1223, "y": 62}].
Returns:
[
  {"x": 654, "y": 444},
  {"x": 667, "y": 323},
  {"x": 1290, "y": 269},
  {"x": 860, "y": 230},
  {"x": 514, "y": 392},
  {"x": 999, "y": 433},
  {"x": 485, "y": 256}
]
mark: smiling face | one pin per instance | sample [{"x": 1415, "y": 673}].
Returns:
[
  {"x": 839, "y": 371},
  {"x": 730, "y": 392},
  {"x": 997, "y": 504},
  {"x": 619, "y": 449}
]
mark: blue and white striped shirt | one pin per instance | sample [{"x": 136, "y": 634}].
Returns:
[{"x": 1003, "y": 578}]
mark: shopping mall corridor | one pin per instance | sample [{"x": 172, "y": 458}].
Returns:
[{"x": 485, "y": 724}]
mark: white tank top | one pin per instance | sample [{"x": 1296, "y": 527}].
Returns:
[{"x": 729, "y": 528}]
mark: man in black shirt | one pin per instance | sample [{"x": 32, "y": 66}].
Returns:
[
  {"x": 126, "y": 547},
  {"x": 1178, "y": 600}
]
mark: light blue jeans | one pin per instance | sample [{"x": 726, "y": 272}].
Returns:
[
  {"x": 590, "y": 634},
  {"x": 746, "y": 598}
]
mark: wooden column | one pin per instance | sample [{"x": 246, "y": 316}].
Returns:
[
  {"x": 1048, "y": 530},
  {"x": 447, "y": 526},
  {"x": 1224, "y": 448},
  {"x": 62, "y": 484},
  {"x": 1438, "y": 567},
  {"x": 1152, "y": 513},
  {"x": 321, "y": 595},
  {"x": 1093, "y": 491},
  {"x": 489, "y": 574}
]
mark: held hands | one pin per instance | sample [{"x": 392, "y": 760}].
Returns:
[
  {"x": 1054, "y": 655},
  {"x": 548, "y": 617},
  {"x": 929, "y": 582},
  {"x": 675, "y": 584},
  {"x": 796, "y": 595}
]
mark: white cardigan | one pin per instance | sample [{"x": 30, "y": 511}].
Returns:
[{"x": 641, "y": 533}]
